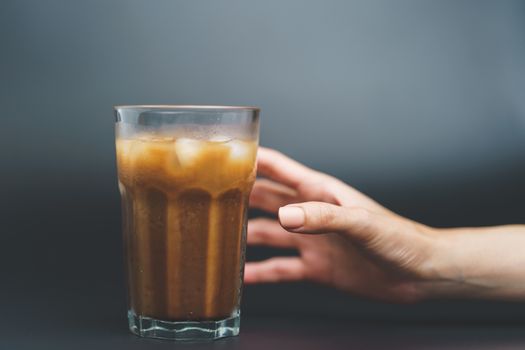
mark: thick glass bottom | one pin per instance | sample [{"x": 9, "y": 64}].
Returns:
[{"x": 183, "y": 330}]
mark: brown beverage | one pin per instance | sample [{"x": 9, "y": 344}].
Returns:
[{"x": 184, "y": 203}]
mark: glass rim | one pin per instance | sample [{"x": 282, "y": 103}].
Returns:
[{"x": 188, "y": 107}]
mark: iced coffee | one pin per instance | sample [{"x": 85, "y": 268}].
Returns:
[{"x": 184, "y": 202}]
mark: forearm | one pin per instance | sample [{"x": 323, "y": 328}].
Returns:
[{"x": 486, "y": 263}]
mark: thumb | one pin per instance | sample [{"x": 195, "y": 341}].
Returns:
[{"x": 320, "y": 217}]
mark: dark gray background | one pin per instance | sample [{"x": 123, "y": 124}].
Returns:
[{"x": 420, "y": 104}]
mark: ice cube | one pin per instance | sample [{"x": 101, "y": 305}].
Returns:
[
  {"x": 238, "y": 149},
  {"x": 187, "y": 150},
  {"x": 124, "y": 147}
]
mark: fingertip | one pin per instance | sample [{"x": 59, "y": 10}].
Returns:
[
  {"x": 249, "y": 275},
  {"x": 292, "y": 217},
  {"x": 251, "y": 239}
]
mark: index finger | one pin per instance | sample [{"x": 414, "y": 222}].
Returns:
[{"x": 278, "y": 167}]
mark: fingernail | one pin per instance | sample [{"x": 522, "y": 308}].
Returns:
[{"x": 291, "y": 217}]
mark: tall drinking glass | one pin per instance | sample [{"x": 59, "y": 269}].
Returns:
[{"x": 185, "y": 175}]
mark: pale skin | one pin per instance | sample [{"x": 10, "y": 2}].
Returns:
[{"x": 348, "y": 241}]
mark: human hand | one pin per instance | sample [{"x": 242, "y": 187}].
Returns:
[
  {"x": 345, "y": 239},
  {"x": 348, "y": 241}
]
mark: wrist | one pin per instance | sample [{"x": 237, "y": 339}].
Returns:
[
  {"x": 444, "y": 275},
  {"x": 480, "y": 263}
]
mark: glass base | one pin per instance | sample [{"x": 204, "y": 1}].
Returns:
[{"x": 184, "y": 330}]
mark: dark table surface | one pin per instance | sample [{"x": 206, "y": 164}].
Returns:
[
  {"x": 57, "y": 322},
  {"x": 274, "y": 333},
  {"x": 62, "y": 288}
]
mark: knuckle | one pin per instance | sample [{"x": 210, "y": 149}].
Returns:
[
  {"x": 255, "y": 226},
  {"x": 257, "y": 236},
  {"x": 361, "y": 217},
  {"x": 312, "y": 190},
  {"x": 330, "y": 191},
  {"x": 276, "y": 269},
  {"x": 320, "y": 187},
  {"x": 326, "y": 215},
  {"x": 256, "y": 195}
]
